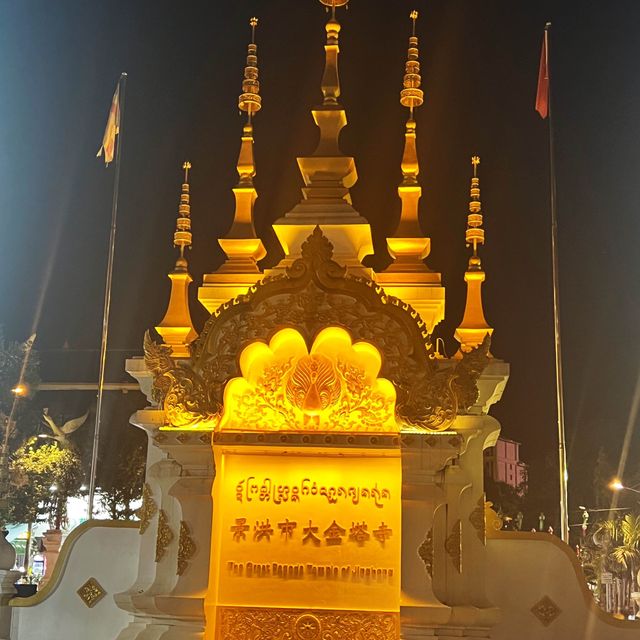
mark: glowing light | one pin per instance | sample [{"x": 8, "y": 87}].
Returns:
[
  {"x": 333, "y": 386},
  {"x": 20, "y": 390},
  {"x": 616, "y": 485}
]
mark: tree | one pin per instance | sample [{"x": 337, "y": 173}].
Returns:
[
  {"x": 121, "y": 485},
  {"x": 617, "y": 550},
  {"x": 44, "y": 477}
]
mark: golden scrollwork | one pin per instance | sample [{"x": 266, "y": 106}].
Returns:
[
  {"x": 186, "y": 548},
  {"x": 248, "y": 623},
  {"x": 493, "y": 522},
  {"x": 165, "y": 535},
  {"x": 334, "y": 387},
  {"x": 148, "y": 508},
  {"x": 546, "y": 610},
  {"x": 425, "y": 551},
  {"x": 477, "y": 520},
  {"x": 91, "y": 592},
  {"x": 314, "y": 293},
  {"x": 453, "y": 545}
]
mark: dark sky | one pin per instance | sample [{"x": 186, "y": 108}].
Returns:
[{"x": 58, "y": 66}]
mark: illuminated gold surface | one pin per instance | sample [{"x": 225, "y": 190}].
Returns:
[
  {"x": 176, "y": 328},
  {"x": 241, "y": 245},
  {"x": 316, "y": 292},
  {"x": 305, "y": 528},
  {"x": 328, "y": 175},
  {"x": 407, "y": 277},
  {"x": 334, "y": 386},
  {"x": 474, "y": 328},
  {"x": 245, "y": 623}
]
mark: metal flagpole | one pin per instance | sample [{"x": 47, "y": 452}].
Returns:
[
  {"x": 107, "y": 296},
  {"x": 562, "y": 451}
]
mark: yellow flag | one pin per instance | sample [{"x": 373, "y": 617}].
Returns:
[{"x": 112, "y": 129}]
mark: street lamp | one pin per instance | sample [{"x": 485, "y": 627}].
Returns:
[{"x": 616, "y": 485}]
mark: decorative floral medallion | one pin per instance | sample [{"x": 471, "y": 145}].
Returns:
[
  {"x": 307, "y": 627},
  {"x": 546, "y": 610},
  {"x": 91, "y": 592}
]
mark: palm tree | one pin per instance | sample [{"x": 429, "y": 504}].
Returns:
[{"x": 620, "y": 541}]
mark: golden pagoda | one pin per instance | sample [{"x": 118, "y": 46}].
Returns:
[{"x": 314, "y": 469}]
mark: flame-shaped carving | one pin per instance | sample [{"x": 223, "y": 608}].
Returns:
[{"x": 314, "y": 384}]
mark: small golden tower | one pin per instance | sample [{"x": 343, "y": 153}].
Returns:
[
  {"x": 176, "y": 327},
  {"x": 407, "y": 277},
  {"x": 241, "y": 244},
  {"x": 474, "y": 327},
  {"x": 328, "y": 175}
]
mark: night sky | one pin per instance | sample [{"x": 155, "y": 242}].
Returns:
[{"x": 59, "y": 63}]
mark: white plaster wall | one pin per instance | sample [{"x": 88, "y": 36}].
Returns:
[
  {"x": 522, "y": 568},
  {"x": 108, "y": 554}
]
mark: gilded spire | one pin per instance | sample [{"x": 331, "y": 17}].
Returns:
[
  {"x": 242, "y": 246},
  {"x": 250, "y": 101},
  {"x": 408, "y": 277},
  {"x": 331, "y": 78},
  {"x": 328, "y": 175},
  {"x": 412, "y": 95},
  {"x": 474, "y": 235},
  {"x": 182, "y": 235},
  {"x": 474, "y": 327},
  {"x": 176, "y": 327},
  {"x": 408, "y": 243}
]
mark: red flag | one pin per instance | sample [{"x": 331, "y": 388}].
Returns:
[
  {"x": 112, "y": 129},
  {"x": 542, "y": 96}
]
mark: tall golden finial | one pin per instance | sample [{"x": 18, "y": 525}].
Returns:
[
  {"x": 408, "y": 277},
  {"x": 182, "y": 235},
  {"x": 176, "y": 328},
  {"x": 474, "y": 235},
  {"x": 408, "y": 238},
  {"x": 250, "y": 100},
  {"x": 474, "y": 327},
  {"x": 412, "y": 95},
  {"x": 331, "y": 79},
  {"x": 241, "y": 245}
]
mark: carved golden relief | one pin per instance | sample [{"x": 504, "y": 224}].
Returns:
[
  {"x": 246, "y": 623},
  {"x": 316, "y": 293},
  {"x": 425, "y": 551},
  {"x": 333, "y": 388},
  {"x": 147, "y": 510},
  {"x": 453, "y": 545},
  {"x": 165, "y": 535},
  {"x": 186, "y": 548},
  {"x": 313, "y": 384},
  {"x": 91, "y": 592},
  {"x": 477, "y": 520},
  {"x": 546, "y": 610}
]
